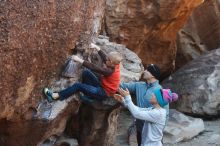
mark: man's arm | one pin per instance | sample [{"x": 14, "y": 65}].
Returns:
[
  {"x": 131, "y": 86},
  {"x": 101, "y": 70}
]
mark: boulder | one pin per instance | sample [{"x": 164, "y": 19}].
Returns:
[
  {"x": 181, "y": 127},
  {"x": 126, "y": 133},
  {"x": 96, "y": 122},
  {"x": 35, "y": 39},
  {"x": 84, "y": 121},
  {"x": 198, "y": 84},
  {"x": 200, "y": 34},
  {"x": 148, "y": 28},
  {"x": 131, "y": 66}
]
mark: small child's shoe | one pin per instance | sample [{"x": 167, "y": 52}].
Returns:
[{"x": 48, "y": 94}]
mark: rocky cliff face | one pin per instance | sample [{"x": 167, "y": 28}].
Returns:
[
  {"x": 35, "y": 39},
  {"x": 200, "y": 34},
  {"x": 148, "y": 27}
]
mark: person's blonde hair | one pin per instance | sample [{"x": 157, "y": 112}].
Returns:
[{"x": 115, "y": 57}]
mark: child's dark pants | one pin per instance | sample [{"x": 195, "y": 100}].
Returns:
[{"x": 90, "y": 86}]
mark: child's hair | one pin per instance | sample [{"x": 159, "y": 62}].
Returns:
[{"x": 115, "y": 57}]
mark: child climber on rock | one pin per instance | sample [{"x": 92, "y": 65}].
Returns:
[
  {"x": 154, "y": 118},
  {"x": 98, "y": 89}
]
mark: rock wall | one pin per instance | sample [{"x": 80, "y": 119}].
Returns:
[
  {"x": 200, "y": 34},
  {"x": 148, "y": 27},
  {"x": 181, "y": 127},
  {"x": 198, "y": 84},
  {"x": 35, "y": 39}
]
